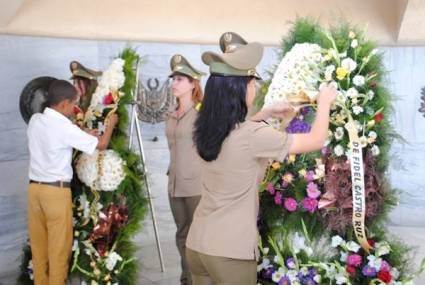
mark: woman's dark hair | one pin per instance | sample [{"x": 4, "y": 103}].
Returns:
[
  {"x": 224, "y": 106},
  {"x": 60, "y": 90}
]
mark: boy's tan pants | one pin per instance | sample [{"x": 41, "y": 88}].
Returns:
[{"x": 50, "y": 232}]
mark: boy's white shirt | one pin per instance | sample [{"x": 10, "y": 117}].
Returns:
[{"x": 51, "y": 139}]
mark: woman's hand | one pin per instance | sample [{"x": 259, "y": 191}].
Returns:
[{"x": 327, "y": 95}]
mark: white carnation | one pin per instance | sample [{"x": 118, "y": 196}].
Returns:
[
  {"x": 339, "y": 150},
  {"x": 375, "y": 150},
  {"x": 349, "y": 64},
  {"x": 357, "y": 110},
  {"x": 112, "y": 260},
  {"x": 339, "y": 133},
  {"x": 363, "y": 141},
  {"x": 359, "y": 80},
  {"x": 352, "y": 92},
  {"x": 353, "y": 246}
]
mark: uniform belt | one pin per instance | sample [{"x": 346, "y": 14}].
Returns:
[{"x": 60, "y": 184}]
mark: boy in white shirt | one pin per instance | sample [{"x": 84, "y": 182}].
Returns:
[{"x": 51, "y": 139}]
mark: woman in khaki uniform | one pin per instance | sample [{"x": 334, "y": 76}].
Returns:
[
  {"x": 184, "y": 171},
  {"x": 222, "y": 240}
]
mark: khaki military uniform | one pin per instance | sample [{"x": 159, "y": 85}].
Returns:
[
  {"x": 222, "y": 240},
  {"x": 184, "y": 172},
  {"x": 225, "y": 222}
]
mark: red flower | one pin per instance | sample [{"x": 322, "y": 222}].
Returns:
[
  {"x": 76, "y": 110},
  {"x": 385, "y": 276},
  {"x": 351, "y": 270},
  {"x": 108, "y": 99},
  {"x": 371, "y": 242},
  {"x": 373, "y": 83},
  {"x": 379, "y": 117}
]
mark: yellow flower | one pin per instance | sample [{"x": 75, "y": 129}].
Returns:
[
  {"x": 302, "y": 172},
  {"x": 93, "y": 264},
  {"x": 98, "y": 114},
  {"x": 94, "y": 283},
  {"x": 341, "y": 73},
  {"x": 371, "y": 123},
  {"x": 291, "y": 158},
  {"x": 76, "y": 233},
  {"x": 276, "y": 165},
  {"x": 351, "y": 35},
  {"x": 96, "y": 272},
  {"x": 107, "y": 277}
]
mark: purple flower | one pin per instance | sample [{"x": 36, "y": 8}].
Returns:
[
  {"x": 309, "y": 281},
  {"x": 284, "y": 281},
  {"x": 267, "y": 273},
  {"x": 278, "y": 198},
  {"x": 290, "y": 204},
  {"x": 369, "y": 271},
  {"x": 298, "y": 126},
  {"x": 313, "y": 191},
  {"x": 290, "y": 263},
  {"x": 310, "y": 204},
  {"x": 325, "y": 151},
  {"x": 354, "y": 260},
  {"x": 385, "y": 266},
  {"x": 270, "y": 188},
  {"x": 309, "y": 176},
  {"x": 305, "y": 111},
  {"x": 313, "y": 272},
  {"x": 285, "y": 184}
]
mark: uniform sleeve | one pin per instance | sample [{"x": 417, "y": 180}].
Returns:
[
  {"x": 81, "y": 140},
  {"x": 267, "y": 142}
]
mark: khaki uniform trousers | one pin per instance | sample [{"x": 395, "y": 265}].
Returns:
[
  {"x": 183, "y": 209},
  {"x": 216, "y": 270},
  {"x": 50, "y": 232}
]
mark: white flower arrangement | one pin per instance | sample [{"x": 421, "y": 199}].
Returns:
[
  {"x": 103, "y": 170},
  {"x": 297, "y": 72},
  {"x": 112, "y": 80}
]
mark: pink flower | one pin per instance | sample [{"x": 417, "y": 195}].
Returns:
[
  {"x": 385, "y": 266},
  {"x": 270, "y": 188},
  {"x": 288, "y": 177},
  {"x": 312, "y": 191},
  {"x": 310, "y": 204},
  {"x": 354, "y": 260},
  {"x": 285, "y": 184},
  {"x": 325, "y": 151},
  {"x": 309, "y": 177},
  {"x": 278, "y": 198},
  {"x": 290, "y": 204}
]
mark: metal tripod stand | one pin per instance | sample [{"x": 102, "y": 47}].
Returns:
[{"x": 134, "y": 122}]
